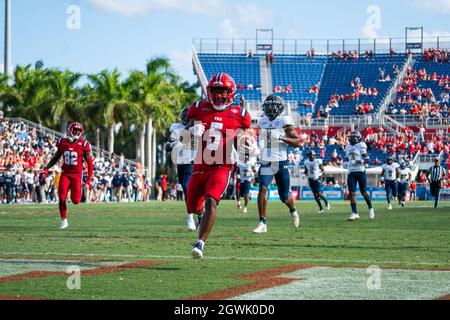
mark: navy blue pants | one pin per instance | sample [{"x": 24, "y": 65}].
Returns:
[
  {"x": 280, "y": 171},
  {"x": 184, "y": 175}
]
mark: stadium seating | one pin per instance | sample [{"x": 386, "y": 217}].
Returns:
[
  {"x": 339, "y": 74},
  {"x": 302, "y": 74},
  {"x": 333, "y": 74},
  {"x": 244, "y": 70}
]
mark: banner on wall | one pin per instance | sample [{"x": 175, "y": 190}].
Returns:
[
  {"x": 444, "y": 195},
  {"x": 330, "y": 193}
]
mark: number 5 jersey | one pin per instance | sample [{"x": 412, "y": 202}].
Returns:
[{"x": 222, "y": 127}]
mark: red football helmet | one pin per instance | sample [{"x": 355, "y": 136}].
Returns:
[
  {"x": 221, "y": 91},
  {"x": 71, "y": 131}
]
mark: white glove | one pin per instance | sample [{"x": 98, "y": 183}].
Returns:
[
  {"x": 276, "y": 135},
  {"x": 198, "y": 130},
  {"x": 382, "y": 179},
  {"x": 176, "y": 144},
  {"x": 251, "y": 149}
]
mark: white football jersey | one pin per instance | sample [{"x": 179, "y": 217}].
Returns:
[
  {"x": 184, "y": 154},
  {"x": 273, "y": 150},
  {"x": 404, "y": 174},
  {"x": 246, "y": 170},
  {"x": 313, "y": 168},
  {"x": 356, "y": 152},
  {"x": 390, "y": 171}
]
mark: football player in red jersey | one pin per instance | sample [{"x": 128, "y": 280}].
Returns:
[
  {"x": 74, "y": 151},
  {"x": 217, "y": 124}
]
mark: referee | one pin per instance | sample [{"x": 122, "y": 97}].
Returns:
[{"x": 435, "y": 175}]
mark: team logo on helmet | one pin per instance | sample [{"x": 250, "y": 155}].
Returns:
[
  {"x": 221, "y": 91},
  {"x": 71, "y": 131},
  {"x": 273, "y": 107}
]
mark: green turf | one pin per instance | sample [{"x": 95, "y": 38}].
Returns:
[{"x": 406, "y": 238}]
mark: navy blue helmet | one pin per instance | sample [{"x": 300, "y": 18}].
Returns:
[
  {"x": 390, "y": 159},
  {"x": 273, "y": 107},
  {"x": 403, "y": 165},
  {"x": 311, "y": 155},
  {"x": 184, "y": 118},
  {"x": 354, "y": 138}
]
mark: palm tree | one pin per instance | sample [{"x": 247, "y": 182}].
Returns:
[
  {"x": 65, "y": 96},
  {"x": 29, "y": 94},
  {"x": 154, "y": 91},
  {"x": 112, "y": 100}
]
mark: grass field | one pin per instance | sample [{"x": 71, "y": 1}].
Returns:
[{"x": 142, "y": 251}]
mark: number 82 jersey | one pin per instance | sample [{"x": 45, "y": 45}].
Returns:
[
  {"x": 73, "y": 154},
  {"x": 221, "y": 130}
]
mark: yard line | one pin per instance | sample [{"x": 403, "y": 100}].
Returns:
[{"x": 144, "y": 256}]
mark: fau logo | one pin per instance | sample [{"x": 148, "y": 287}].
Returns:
[{"x": 217, "y": 119}]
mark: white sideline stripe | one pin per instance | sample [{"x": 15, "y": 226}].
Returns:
[{"x": 309, "y": 261}]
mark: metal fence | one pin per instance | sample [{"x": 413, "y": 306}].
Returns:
[{"x": 320, "y": 46}]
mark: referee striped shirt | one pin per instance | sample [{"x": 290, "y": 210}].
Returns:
[{"x": 436, "y": 173}]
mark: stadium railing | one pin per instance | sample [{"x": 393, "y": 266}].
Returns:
[
  {"x": 55, "y": 135},
  {"x": 320, "y": 46}
]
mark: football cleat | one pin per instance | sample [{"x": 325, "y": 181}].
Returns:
[
  {"x": 261, "y": 228},
  {"x": 245, "y": 210},
  {"x": 295, "y": 219},
  {"x": 328, "y": 206},
  {"x": 197, "y": 250},
  {"x": 390, "y": 207},
  {"x": 403, "y": 203},
  {"x": 191, "y": 223},
  {"x": 353, "y": 217},
  {"x": 64, "y": 224},
  {"x": 321, "y": 211},
  {"x": 239, "y": 207},
  {"x": 371, "y": 214}
]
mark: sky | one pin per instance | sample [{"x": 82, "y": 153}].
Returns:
[{"x": 91, "y": 35}]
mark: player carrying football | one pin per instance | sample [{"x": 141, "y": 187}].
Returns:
[
  {"x": 217, "y": 123},
  {"x": 276, "y": 134},
  {"x": 74, "y": 151},
  {"x": 356, "y": 160},
  {"x": 314, "y": 170}
]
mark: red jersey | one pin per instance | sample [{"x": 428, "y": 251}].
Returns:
[
  {"x": 221, "y": 129},
  {"x": 73, "y": 154}
]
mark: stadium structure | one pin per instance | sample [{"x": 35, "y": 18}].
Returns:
[{"x": 335, "y": 86}]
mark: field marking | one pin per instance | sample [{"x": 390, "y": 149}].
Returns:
[{"x": 280, "y": 259}]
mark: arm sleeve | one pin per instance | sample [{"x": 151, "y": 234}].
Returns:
[
  {"x": 246, "y": 119},
  {"x": 90, "y": 167},
  {"x": 90, "y": 160},
  {"x": 194, "y": 111}
]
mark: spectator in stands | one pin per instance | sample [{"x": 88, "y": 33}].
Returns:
[
  {"x": 240, "y": 86},
  {"x": 250, "y": 54},
  {"x": 250, "y": 86}
]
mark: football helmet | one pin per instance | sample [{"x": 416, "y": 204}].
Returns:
[
  {"x": 311, "y": 155},
  {"x": 403, "y": 165},
  {"x": 390, "y": 160},
  {"x": 71, "y": 131},
  {"x": 354, "y": 138},
  {"x": 221, "y": 91},
  {"x": 273, "y": 107},
  {"x": 183, "y": 116}
]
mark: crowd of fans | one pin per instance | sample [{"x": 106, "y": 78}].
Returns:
[
  {"x": 24, "y": 152},
  {"x": 415, "y": 97},
  {"x": 436, "y": 55}
]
